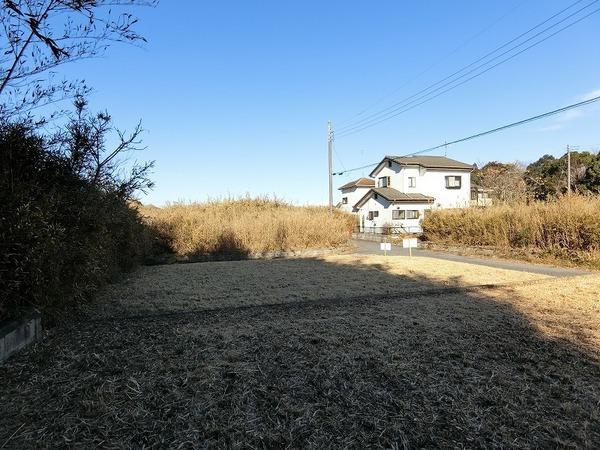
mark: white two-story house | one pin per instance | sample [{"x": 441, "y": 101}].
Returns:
[
  {"x": 353, "y": 191},
  {"x": 405, "y": 188}
]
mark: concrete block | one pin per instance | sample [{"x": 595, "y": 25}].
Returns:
[{"x": 17, "y": 334}]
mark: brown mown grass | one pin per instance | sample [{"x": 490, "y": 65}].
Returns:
[
  {"x": 247, "y": 226},
  {"x": 566, "y": 229},
  {"x": 342, "y": 351}
]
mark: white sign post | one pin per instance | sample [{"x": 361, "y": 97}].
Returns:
[
  {"x": 385, "y": 247},
  {"x": 409, "y": 244}
]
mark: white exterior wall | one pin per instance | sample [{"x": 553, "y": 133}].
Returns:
[
  {"x": 385, "y": 215},
  {"x": 430, "y": 182},
  {"x": 434, "y": 185},
  {"x": 392, "y": 172},
  {"x": 354, "y": 194}
]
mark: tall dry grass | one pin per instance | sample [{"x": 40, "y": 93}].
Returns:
[
  {"x": 247, "y": 226},
  {"x": 567, "y": 228}
]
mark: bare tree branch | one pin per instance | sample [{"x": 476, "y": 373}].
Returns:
[{"x": 41, "y": 35}]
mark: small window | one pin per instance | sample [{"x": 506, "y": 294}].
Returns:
[
  {"x": 344, "y": 200},
  {"x": 398, "y": 214},
  {"x": 373, "y": 214},
  {"x": 412, "y": 214},
  {"x": 453, "y": 182},
  {"x": 412, "y": 182},
  {"x": 383, "y": 182}
]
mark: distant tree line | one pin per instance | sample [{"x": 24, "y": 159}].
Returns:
[{"x": 543, "y": 179}]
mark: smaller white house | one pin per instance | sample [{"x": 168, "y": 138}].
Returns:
[
  {"x": 388, "y": 207},
  {"x": 400, "y": 191},
  {"x": 353, "y": 191}
]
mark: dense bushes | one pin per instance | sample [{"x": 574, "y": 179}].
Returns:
[
  {"x": 566, "y": 227},
  {"x": 62, "y": 234},
  {"x": 68, "y": 225},
  {"x": 247, "y": 226}
]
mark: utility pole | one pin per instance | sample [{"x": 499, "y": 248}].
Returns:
[
  {"x": 568, "y": 169},
  {"x": 330, "y": 165}
]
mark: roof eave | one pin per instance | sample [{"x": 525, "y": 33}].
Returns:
[
  {"x": 470, "y": 169},
  {"x": 414, "y": 200},
  {"x": 364, "y": 197},
  {"x": 428, "y": 166},
  {"x": 355, "y": 184},
  {"x": 372, "y": 174}
]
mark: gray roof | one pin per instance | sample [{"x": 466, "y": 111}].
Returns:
[
  {"x": 361, "y": 182},
  {"x": 395, "y": 196},
  {"x": 430, "y": 162}
]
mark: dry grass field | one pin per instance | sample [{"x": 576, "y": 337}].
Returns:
[
  {"x": 342, "y": 351},
  {"x": 565, "y": 230},
  {"x": 246, "y": 283},
  {"x": 247, "y": 226}
]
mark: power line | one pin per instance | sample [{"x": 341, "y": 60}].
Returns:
[
  {"x": 485, "y": 133},
  {"x": 408, "y": 108},
  {"x": 403, "y": 106},
  {"x": 337, "y": 156},
  {"x": 435, "y": 63},
  {"x": 467, "y": 66},
  {"x": 464, "y": 81},
  {"x": 427, "y": 97}
]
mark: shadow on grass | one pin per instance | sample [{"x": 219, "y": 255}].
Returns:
[
  {"x": 227, "y": 248},
  {"x": 307, "y": 353}
]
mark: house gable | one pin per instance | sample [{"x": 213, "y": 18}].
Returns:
[
  {"x": 354, "y": 191},
  {"x": 388, "y": 163}
]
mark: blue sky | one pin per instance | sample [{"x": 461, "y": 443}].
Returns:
[{"x": 235, "y": 95}]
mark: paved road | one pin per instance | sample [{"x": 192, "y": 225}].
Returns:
[{"x": 372, "y": 248}]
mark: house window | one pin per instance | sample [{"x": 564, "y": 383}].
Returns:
[
  {"x": 373, "y": 214},
  {"x": 383, "y": 182},
  {"x": 453, "y": 182},
  {"x": 344, "y": 200},
  {"x": 398, "y": 214},
  {"x": 412, "y": 214},
  {"x": 412, "y": 182}
]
